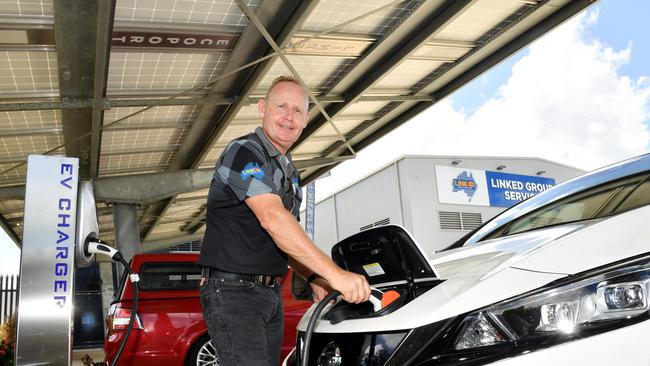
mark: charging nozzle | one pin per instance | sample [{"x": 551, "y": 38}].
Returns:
[
  {"x": 96, "y": 246},
  {"x": 375, "y": 299},
  {"x": 380, "y": 299}
]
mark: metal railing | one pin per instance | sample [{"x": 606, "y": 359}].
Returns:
[{"x": 8, "y": 296}]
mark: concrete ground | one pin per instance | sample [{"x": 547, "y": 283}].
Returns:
[{"x": 95, "y": 355}]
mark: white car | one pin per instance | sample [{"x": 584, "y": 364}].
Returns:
[{"x": 559, "y": 279}]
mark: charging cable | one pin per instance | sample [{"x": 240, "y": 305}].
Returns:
[
  {"x": 312, "y": 324},
  {"x": 379, "y": 300},
  {"x": 96, "y": 246}
]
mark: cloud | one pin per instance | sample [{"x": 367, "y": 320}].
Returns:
[{"x": 565, "y": 101}]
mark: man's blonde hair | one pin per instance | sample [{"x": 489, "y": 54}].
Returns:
[{"x": 285, "y": 78}]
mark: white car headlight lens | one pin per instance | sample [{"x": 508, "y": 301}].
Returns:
[
  {"x": 621, "y": 297},
  {"x": 477, "y": 331},
  {"x": 585, "y": 305},
  {"x": 558, "y": 316}
]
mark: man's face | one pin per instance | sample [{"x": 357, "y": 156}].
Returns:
[{"x": 284, "y": 114}]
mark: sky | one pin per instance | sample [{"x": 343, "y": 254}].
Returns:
[{"x": 579, "y": 96}]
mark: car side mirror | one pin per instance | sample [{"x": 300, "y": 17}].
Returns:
[{"x": 299, "y": 288}]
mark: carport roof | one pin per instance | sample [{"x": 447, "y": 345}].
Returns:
[{"x": 147, "y": 93}]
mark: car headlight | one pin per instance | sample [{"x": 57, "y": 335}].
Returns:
[
  {"x": 572, "y": 309},
  {"x": 575, "y": 307}
]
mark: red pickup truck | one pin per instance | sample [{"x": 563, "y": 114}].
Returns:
[{"x": 169, "y": 327}]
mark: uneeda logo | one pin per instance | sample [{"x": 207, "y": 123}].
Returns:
[
  {"x": 252, "y": 170},
  {"x": 465, "y": 182}
]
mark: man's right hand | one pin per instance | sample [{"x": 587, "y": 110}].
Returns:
[{"x": 353, "y": 287}]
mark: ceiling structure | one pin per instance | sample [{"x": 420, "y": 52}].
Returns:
[{"x": 147, "y": 93}]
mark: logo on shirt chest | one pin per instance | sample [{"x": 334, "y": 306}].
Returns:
[
  {"x": 252, "y": 170},
  {"x": 294, "y": 183}
]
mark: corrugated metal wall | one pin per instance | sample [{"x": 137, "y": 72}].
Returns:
[
  {"x": 369, "y": 202},
  {"x": 325, "y": 224}
]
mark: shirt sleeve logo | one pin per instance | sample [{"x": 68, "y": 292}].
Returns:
[{"x": 252, "y": 170}]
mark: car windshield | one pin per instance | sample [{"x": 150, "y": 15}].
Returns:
[{"x": 598, "y": 202}]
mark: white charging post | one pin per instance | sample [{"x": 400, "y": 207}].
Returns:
[{"x": 44, "y": 333}]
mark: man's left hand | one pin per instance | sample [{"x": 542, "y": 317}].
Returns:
[{"x": 319, "y": 291}]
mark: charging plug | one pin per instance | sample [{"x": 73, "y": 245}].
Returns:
[
  {"x": 96, "y": 246},
  {"x": 375, "y": 299},
  {"x": 380, "y": 299}
]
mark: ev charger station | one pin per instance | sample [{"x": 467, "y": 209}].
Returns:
[{"x": 58, "y": 212}]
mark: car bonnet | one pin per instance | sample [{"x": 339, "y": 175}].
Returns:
[{"x": 496, "y": 254}]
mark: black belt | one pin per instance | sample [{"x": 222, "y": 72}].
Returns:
[{"x": 263, "y": 280}]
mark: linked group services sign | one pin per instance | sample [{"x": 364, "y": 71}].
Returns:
[{"x": 487, "y": 188}]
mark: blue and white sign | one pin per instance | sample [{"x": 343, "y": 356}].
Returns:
[
  {"x": 507, "y": 189},
  {"x": 486, "y": 188}
]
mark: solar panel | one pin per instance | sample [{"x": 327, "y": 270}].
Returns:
[
  {"x": 140, "y": 72},
  {"x": 28, "y": 72},
  {"x": 180, "y": 12},
  {"x": 43, "y": 8}
]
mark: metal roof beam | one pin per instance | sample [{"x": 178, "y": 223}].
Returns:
[
  {"x": 31, "y": 131},
  {"x": 197, "y": 220},
  {"x": 148, "y": 126},
  {"x": 146, "y": 188},
  {"x": 105, "y": 15},
  {"x": 141, "y": 150},
  {"x": 190, "y": 198},
  {"x": 37, "y": 106},
  {"x": 115, "y": 103},
  {"x": 76, "y": 34},
  {"x": 211, "y": 100},
  {"x": 376, "y": 98},
  {"x": 4, "y": 224},
  {"x": 138, "y": 188},
  {"x": 192, "y": 220},
  {"x": 13, "y": 159},
  {"x": 13, "y": 192},
  {"x": 219, "y": 99},
  {"x": 136, "y": 170}
]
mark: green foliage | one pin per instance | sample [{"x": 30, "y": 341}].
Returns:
[{"x": 8, "y": 341}]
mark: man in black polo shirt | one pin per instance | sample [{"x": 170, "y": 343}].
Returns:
[{"x": 252, "y": 232}]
